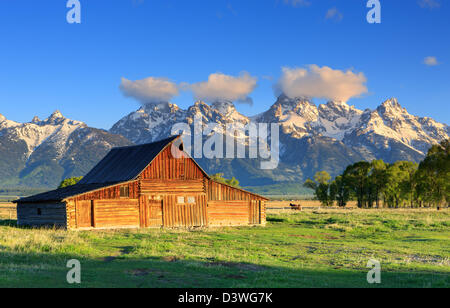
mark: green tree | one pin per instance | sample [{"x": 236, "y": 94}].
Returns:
[
  {"x": 340, "y": 191},
  {"x": 219, "y": 177},
  {"x": 357, "y": 176},
  {"x": 400, "y": 183},
  {"x": 408, "y": 183},
  {"x": 434, "y": 174},
  {"x": 321, "y": 186},
  {"x": 377, "y": 179},
  {"x": 70, "y": 182}
]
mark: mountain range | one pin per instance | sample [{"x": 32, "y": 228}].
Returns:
[
  {"x": 41, "y": 153},
  {"x": 326, "y": 137}
]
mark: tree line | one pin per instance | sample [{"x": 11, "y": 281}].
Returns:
[{"x": 379, "y": 184}]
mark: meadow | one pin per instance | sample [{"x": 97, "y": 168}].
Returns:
[{"x": 313, "y": 248}]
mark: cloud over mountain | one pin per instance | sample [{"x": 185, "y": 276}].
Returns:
[
  {"x": 149, "y": 90},
  {"x": 321, "y": 82},
  {"x": 221, "y": 87}
]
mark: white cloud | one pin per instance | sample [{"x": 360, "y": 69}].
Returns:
[
  {"x": 429, "y": 4},
  {"x": 149, "y": 90},
  {"x": 334, "y": 14},
  {"x": 321, "y": 82},
  {"x": 221, "y": 87},
  {"x": 431, "y": 61}
]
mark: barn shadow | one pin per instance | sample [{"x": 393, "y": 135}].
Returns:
[
  {"x": 49, "y": 270},
  {"x": 9, "y": 223},
  {"x": 12, "y": 223}
]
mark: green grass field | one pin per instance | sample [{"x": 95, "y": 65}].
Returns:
[{"x": 303, "y": 249}]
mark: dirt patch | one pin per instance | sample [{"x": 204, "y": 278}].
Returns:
[
  {"x": 241, "y": 266},
  {"x": 109, "y": 259},
  {"x": 126, "y": 250},
  {"x": 298, "y": 258},
  {"x": 435, "y": 260},
  {"x": 303, "y": 236},
  {"x": 331, "y": 238},
  {"x": 145, "y": 272},
  {"x": 172, "y": 258}
]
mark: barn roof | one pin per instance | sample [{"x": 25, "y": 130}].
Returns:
[
  {"x": 63, "y": 193},
  {"x": 126, "y": 163},
  {"x": 118, "y": 166}
]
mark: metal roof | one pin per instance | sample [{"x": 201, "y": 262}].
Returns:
[
  {"x": 126, "y": 163},
  {"x": 119, "y": 165},
  {"x": 63, "y": 193}
]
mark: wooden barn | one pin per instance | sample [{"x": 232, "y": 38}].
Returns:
[{"x": 151, "y": 185}]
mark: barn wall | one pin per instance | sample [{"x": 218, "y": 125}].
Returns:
[
  {"x": 263, "y": 213},
  {"x": 111, "y": 193},
  {"x": 116, "y": 213},
  {"x": 185, "y": 215},
  {"x": 229, "y": 206},
  {"x": 71, "y": 215},
  {"x": 51, "y": 214},
  {"x": 221, "y": 192},
  {"x": 150, "y": 187},
  {"x": 166, "y": 167},
  {"x": 228, "y": 213},
  {"x": 106, "y": 213}
]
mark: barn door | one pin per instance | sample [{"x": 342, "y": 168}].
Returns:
[
  {"x": 85, "y": 214},
  {"x": 255, "y": 212},
  {"x": 154, "y": 213},
  {"x": 185, "y": 211},
  {"x": 150, "y": 212}
]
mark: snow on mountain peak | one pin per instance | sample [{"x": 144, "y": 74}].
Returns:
[
  {"x": 5, "y": 123},
  {"x": 54, "y": 130},
  {"x": 163, "y": 107},
  {"x": 392, "y": 106},
  {"x": 294, "y": 107},
  {"x": 224, "y": 107},
  {"x": 387, "y": 126},
  {"x": 339, "y": 105},
  {"x": 56, "y": 115},
  {"x": 337, "y": 118}
]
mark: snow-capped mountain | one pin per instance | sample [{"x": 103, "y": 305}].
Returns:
[
  {"x": 392, "y": 133},
  {"x": 300, "y": 118},
  {"x": 42, "y": 152},
  {"x": 155, "y": 121},
  {"x": 325, "y": 137}
]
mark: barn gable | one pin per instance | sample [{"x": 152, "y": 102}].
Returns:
[
  {"x": 125, "y": 163},
  {"x": 167, "y": 167}
]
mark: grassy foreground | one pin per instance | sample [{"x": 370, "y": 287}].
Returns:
[{"x": 308, "y": 249}]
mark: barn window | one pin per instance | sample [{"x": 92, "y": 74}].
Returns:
[
  {"x": 191, "y": 200},
  {"x": 180, "y": 200},
  {"x": 124, "y": 192},
  {"x": 39, "y": 212}
]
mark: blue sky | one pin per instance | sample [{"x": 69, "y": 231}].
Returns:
[{"x": 48, "y": 64}]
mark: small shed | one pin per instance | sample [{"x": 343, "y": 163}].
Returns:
[{"x": 150, "y": 185}]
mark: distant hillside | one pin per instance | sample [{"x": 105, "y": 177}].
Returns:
[{"x": 42, "y": 153}]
